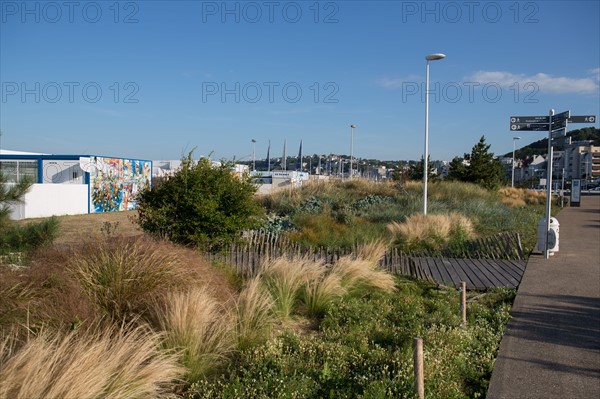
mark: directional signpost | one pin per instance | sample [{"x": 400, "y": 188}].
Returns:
[
  {"x": 582, "y": 119},
  {"x": 556, "y": 126}
]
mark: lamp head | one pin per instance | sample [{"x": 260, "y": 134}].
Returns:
[
  {"x": 516, "y": 138},
  {"x": 352, "y": 126},
  {"x": 434, "y": 57}
]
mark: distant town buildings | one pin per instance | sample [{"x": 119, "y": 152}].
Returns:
[{"x": 578, "y": 160}]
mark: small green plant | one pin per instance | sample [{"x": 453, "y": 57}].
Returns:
[
  {"x": 16, "y": 238},
  {"x": 109, "y": 230},
  {"x": 27, "y": 237}
]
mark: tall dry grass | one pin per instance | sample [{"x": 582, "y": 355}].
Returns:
[
  {"x": 197, "y": 325},
  {"x": 512, "y": 196},
  {"x": 431, "y": 231},
  {"x": 254, "y": 317},
  {"x": 320, "y": 291},
  {"x": 362, "y": 270},
  {"x": 15, "y": 301},
  {"x": 285, "y": 277},
  {"x": 303, "y": 285},
  {"x": 111, "y": 363},
  {"x": 122, "y": 278}
]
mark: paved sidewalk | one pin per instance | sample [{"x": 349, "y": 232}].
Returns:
[{"x": 551, "y": 348}]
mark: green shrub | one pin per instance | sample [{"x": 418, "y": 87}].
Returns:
[
  {"x": 202, "y": 205},
  {"x": 29, "y": 236},
  {"x": 20, "y": 238}
]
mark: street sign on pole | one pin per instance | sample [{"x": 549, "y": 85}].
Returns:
[
  {"x": 559, "y": 124},
  {"x": 561, "y": 117},
  {"x": 529, "y": 119},
  {"x": 559, "y": 133},
  {"x": 538, "y": 127},
  {"x": 583, "y": 119},
  {"x": 541, "y": 123}
]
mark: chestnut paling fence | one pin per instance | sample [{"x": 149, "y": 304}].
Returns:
[{"x": 481, "y": 256}]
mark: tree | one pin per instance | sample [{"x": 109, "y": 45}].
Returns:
[
  {"x": 202, "y": 205},
  {"x": 416, "y": 170},
  {"x": 10, "y": 194},
  {"x": 457, "y": 170},
  {"x": 483, "y": 169}
]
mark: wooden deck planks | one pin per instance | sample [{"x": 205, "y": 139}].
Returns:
[
  {"x": 492, "y": 272},
  {"x": 480, "y": 279},
  {"x": 479, "y": 274},
  {"x": 461, "y": 274},
  {"x": 513, "y": 275},
  {"x": 442, "y": 270}
]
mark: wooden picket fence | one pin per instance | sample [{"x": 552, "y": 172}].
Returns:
[
  {"x": 248, "y": 254},
  {"x": 505, "y": 246}
]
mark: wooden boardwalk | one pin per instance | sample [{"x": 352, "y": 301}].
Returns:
[{"x": 479, "y": 274}]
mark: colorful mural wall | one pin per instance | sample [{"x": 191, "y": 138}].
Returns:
[{"x": 114, "y": 183}]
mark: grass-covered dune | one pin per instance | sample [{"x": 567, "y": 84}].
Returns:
[
  {"x": 130, "y": 316},
  {"x": 344, "y": 213}
]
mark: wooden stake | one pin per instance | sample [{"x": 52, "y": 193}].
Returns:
[
  {"x": 418, "y": 365},
  {"x": 463, "y": 302}
]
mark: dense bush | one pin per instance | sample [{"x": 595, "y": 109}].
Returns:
[{"x": 202, "y": 205}]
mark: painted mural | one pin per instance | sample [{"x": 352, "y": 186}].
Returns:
[{"x": 114, "y": 183}]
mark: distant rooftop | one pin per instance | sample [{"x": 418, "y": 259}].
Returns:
[{"x": 12, "y": 152}]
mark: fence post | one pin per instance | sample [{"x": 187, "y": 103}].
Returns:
[
  {"x": 418, "y": 365},
  {"x": 463, "y": 302}
]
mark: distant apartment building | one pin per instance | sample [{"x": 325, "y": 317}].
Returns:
[
  {"x": 582, "y": 161},
  {"x": 579, "y": 160}
]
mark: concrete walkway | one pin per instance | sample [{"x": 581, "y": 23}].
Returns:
[{"x": 551, "y": 348}]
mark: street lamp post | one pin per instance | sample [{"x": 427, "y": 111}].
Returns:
[
  {"x": 351, "y": 147},
  {"x": 253, "y": 155},
  {"x": 512, "y": 184},
  {"x": 430, "y": 57}
]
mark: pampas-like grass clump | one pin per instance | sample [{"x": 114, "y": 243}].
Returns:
[
  {"x": 254, "y": 314},
  {"x": 108, "y": 363},
  {"x": 512, "y": 196},
  {"x": 195, "y": 323},
  {"x": 362, "y": 270},
  {"x": 318, "y": 293},
  {"x": 431, "y": 231},
  {"x": 285, "y": 277},
  {"x": 122, "y": 279}
]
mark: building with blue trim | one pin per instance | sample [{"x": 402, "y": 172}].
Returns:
[{"x": 75, "y": 184}]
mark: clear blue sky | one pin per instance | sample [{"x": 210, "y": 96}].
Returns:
[{"x": 153, "y": 79}]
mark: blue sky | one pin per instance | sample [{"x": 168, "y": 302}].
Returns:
[{"x": 154, "y": 79}]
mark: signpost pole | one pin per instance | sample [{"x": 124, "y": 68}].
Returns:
[{"x": 548, "y": 184}]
